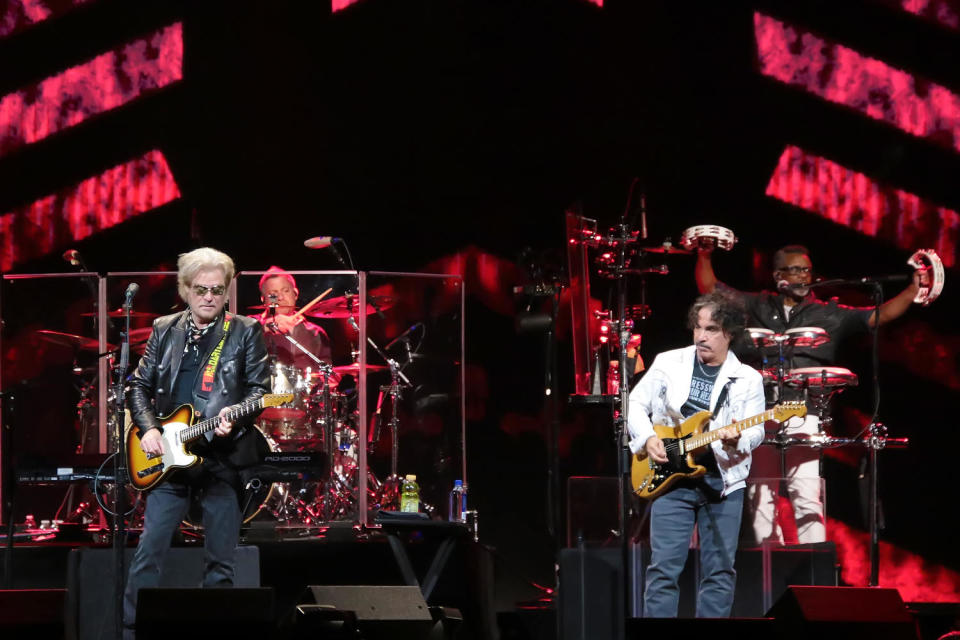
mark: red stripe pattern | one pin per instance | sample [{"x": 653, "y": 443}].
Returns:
[
  {"x": 843, "y": 76},
  {"x": 116, "y": 195},
  {"x": 104, "y": 83},
  {"x": 852, "y": 199}
]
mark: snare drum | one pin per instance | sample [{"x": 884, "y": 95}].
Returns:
[
  {"x": 808, "y": 337},
  {"x": 288, "y": 421},
  {"x": 821, "y": 379},
  {"x": 761, "y": 337}
]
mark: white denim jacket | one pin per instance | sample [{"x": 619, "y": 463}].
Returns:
[{"x": 666, "y": 386}]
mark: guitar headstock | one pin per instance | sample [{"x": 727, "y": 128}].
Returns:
[
  {"x": 277, "y": 399},
  {"x": 786, "y": 410}
]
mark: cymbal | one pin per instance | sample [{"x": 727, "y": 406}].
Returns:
[
  {"x": 73, "y": 341},
  {"x": 120, "y": 313},
  {"x": 140, "y": 334},
  {"x": 347, "y": 306},
  {"x": 138, "y": 339},
  {"x": 354, "y": 369},
  {"x": 667, "y": 249}
]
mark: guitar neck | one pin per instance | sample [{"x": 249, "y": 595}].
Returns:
[
  {"x": 703, "y": 439},
  {"x": 234, "y": 413}
]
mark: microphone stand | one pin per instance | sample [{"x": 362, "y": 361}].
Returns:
[
  {"x": 120, "y": 476},
  {"x": 620, "y": 408},
  {"x": 877, "y": 431},
  {"x": 875, "y": 442}
]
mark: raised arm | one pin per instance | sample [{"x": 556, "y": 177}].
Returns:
[
  {"x": 703, "y": 272},
  {"x": 898, "y": 305}
]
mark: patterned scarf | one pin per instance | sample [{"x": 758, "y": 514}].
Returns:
[{"x": 195, "y": 334}]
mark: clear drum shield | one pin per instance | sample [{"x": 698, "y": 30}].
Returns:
[
  {"x": 49, "y": 373},
  {"x": 372, "y": 364},
  {"x": 415, "y": 388}
]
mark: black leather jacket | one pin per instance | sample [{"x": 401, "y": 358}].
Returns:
[{"x": 242, "y": 374}]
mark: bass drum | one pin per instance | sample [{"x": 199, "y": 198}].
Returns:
[{"x": 256, "y": 496}]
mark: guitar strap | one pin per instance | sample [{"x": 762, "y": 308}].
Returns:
[
  {"x": 723, "y": 398},
  {"x": 206, "y": 380}
]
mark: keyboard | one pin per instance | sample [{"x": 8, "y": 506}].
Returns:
[{"x": 44, "y": 475}]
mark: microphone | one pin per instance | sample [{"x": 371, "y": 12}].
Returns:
[
  {"x": 783, "y": 285},
  {"x": 132, "y": 289},
  {"x": 320, "y": 242},
  {"x": 72, "y": 256},
  {"x": 881, "y": 279}
]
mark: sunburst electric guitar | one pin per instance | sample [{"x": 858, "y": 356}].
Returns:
[
  {"x": 179, "y": 432},
  {"x": 652, "y": 479}
]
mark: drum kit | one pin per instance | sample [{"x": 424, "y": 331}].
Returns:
[{"x": 320, "y": 426}]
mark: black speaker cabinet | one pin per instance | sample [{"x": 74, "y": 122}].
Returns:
[
  {"x": 397, "y": 612},
  {"x": 32, "y": 613},
  {"x": 90, "y": 584},
  {"x": 234, "y": 613},
  {"x": 802, "y": 564},
  {"x": 850, "y": 613},
  {"x": 591, "y": 593}
]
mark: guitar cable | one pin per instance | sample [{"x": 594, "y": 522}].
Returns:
[{"x": 97, "y": 482}]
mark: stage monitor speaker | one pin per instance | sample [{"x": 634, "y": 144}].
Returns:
[
  {"x": 233, "y": 613},
  {"x": 90, "y": 583},
  {"x": 32, "y": 613},
  {"x": 591, "y": 593},
  {"x": 398, "y": 612},
  {"x": 850, "y": 613}
]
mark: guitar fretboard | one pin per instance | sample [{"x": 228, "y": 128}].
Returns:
[
  {"x": 237, "y": 411},
  {"x": 703, "y": 439}
]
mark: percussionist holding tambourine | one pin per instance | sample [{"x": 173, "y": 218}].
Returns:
[{"x": 791, "y": 316}]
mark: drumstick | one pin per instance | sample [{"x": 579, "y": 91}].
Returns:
[{"x": 312, "y": 302}]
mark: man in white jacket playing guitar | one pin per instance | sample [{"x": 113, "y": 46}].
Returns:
[{"x": 706, "y": 376}]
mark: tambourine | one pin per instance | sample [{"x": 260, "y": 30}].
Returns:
[
  {"x": 928, "y": 259},
  {"x": 707, "y": 235}
]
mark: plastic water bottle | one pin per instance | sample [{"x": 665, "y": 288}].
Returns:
[
  {"x": 458, "y": 502},
  {"x": 410, "y": 495}
]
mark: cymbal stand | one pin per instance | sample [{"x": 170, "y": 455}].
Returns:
[
  {"x": 391, "y": 484},
  {"x": 390, "y": 488}
]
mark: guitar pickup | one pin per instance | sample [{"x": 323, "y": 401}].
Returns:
[{"x": 149, "y": 471}]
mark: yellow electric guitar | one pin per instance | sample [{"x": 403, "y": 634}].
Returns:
[
  {"x": 652, "y": 479},
  {"x": 179, "y": 432}
]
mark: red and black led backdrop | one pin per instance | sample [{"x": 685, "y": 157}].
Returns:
[{"x": 428, "y": 132}]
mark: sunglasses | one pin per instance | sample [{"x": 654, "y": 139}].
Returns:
[{"x": 201, "y": 290}]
